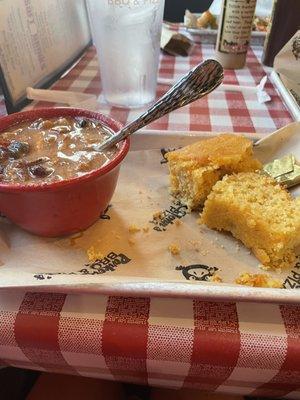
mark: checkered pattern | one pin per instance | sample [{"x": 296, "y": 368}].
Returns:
[
  {"x": 220, "y": 111},
  {"x": 244, "y": 348}
]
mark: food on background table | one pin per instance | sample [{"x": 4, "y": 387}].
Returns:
[
  {"x": 204, "y": 21},
  {"x": 51, "y": 150},
  {"x": 261, "y": 23},
  {"x": 209, "y": 21},
  {"x": 196, "y": 168},
  {"x": 175, "y": 43},
  {"x": 190, "y": 19},
  {"x": 260, "y": 213}
]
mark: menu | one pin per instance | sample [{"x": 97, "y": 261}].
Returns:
[{"x": 38, "y": 41}]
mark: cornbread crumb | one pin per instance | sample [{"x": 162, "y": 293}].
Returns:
[
  {"x": 264, "y": 267},
  {"x": 133, "y": 229},
  {"x": 174, "y": 249},
  {"x": 146, "y": 229},
  {"x": 178, "y": 222},
  {"x": 94, "y": 254},
  {"x": 117, "y": 236},
  {"x": 158, "y": 215},
  {"x": 195, "y": 244},
  {"x": 258, "y": 280},
  {"x": 196, "y": 168},
  {"x": 216, "y": 279},
  {"x": 274, "y": 215},
  {"x": 131, "y": 242}
]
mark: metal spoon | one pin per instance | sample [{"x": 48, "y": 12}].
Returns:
[{"x": 200, "y": 81}]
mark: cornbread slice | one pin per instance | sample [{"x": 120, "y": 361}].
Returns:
[
  {"x": 195, "y": 169},
  {"x": 259, "y": 212}
]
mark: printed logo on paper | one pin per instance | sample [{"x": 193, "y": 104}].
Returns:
[
  {"x": 97, "y": 267},
  {"x": 167, "y": 217},
  {"x": 164, "y": 151},
  {"x": 293, "y": 279},
  {"x": 105, "y": 214},
  {"x": 197, "y": 272}
]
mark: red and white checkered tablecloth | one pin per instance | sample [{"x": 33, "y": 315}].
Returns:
[
  {"x": 242, "y": 348},
  {"x": 218, "y": 112}
]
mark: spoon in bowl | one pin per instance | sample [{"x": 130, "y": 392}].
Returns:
[{"x": 199, "y": 82}]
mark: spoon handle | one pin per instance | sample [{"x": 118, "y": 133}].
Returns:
[{"x": 197, "y": 83}]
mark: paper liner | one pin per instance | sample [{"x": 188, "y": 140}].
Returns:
[{"x": 143, "y": 257}]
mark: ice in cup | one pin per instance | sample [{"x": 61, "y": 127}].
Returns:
[{"x": 127, "y": 37}]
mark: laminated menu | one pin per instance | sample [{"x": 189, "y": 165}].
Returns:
[{"x": 38, "y": 41}]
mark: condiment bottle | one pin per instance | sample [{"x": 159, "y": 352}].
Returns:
[
  {"x": 284, "y": 23},
  {"x": 234, "y": 33}
]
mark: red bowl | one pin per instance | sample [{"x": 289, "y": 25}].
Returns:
[{"x": 68, "y": 206}]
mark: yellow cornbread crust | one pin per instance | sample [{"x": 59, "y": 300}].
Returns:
[
  {"x": 196, "y": 168},
  {"x": 259, "y": 212}
]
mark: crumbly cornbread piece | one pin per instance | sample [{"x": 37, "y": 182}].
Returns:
[
  {"x": 196, "y": 168},
  {"x": 131, "y": 241},
  {"x": 94, "y": 254},
  {"x": 216, "y": 279},
  {"x": 258, "y": 280},
  {"x": 133, "y": 228},
  {"x": 259, "y": 212},
  {"x": 174, "y": 249}
]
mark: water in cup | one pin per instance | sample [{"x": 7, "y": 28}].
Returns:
[{"x": 127, "y": 37}]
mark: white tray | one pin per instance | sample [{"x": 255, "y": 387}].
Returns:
[
  {"x": 209, "y": 36},
  {"x": 288, "y": 99},
  {"x": 187, "y": 289}
]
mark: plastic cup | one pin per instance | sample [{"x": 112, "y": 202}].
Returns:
[{"x": 127, "y": 38}]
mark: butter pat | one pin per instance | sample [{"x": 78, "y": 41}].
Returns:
[{"x": 284, "y": 170}]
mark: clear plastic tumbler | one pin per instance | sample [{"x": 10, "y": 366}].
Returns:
[{"x": 127, "y": 37}]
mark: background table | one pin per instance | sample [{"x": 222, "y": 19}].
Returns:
[
  {"x": 242, "y": 348},
  {"x": 220, "y": 111}
]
